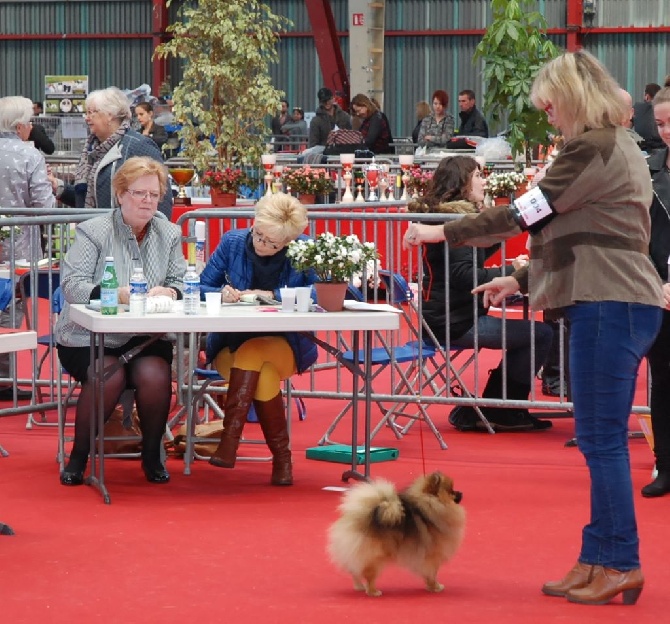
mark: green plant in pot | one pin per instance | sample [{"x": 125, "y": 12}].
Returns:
[
  {"x": 513, "y": 49},
  {"x": 226, "y": 91}
]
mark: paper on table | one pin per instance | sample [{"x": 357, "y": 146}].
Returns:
[{"x": 362, "y": 306}]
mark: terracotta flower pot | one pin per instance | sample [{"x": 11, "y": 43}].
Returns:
[
  {"x": 307, "y": 198},
  {"x": 330, "y": 295},
  {"x": 222, "y": 200}
]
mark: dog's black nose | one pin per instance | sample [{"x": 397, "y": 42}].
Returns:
[{"x": 458, "y": 496}]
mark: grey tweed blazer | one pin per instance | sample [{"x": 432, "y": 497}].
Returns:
[{"x": 160, "y": 254}]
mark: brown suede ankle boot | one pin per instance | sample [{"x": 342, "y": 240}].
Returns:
[
  {"x": 241, "y": 388},
  {"x": 272, "y": 418}
]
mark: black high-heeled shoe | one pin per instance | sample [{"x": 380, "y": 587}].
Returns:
[
  {"x": 156, "y": 474},
  {"x": 658, "y": 487},
  {"x": 72, "y": 477}
]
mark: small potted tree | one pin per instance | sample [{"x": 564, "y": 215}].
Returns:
[
  {"x": 226, "y": 91},
  {"x": 513, "y": 49}
]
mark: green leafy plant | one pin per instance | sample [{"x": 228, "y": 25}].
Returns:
[
  {"x": 333, "y": 258},
  {"x": 226, "y": 91},
  {"x": 513, "y": 49}
]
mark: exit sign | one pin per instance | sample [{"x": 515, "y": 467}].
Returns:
[{"x": 358, "y": 19}]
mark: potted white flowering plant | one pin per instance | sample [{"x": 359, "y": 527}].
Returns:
[
  {"x": 502, "y": 184},
  {"x": 334, "y": 259}
]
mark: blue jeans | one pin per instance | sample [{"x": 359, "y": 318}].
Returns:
[
  {"x": 608, "y": 340},
  {"x": 517, "y": 343}
]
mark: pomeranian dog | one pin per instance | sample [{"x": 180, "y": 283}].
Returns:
[{"x": 419, "y": 528}]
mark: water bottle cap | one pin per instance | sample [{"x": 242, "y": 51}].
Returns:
[
  {"x": 200, "y": 230},
  {"x": 109, "y": 258}
]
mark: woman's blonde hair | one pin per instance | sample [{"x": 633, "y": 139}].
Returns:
[
  {"x": 582, "y": 92},
  {"x": 133, "y": 169},
  {"x": 423, "y": 110},
  {"x": 662, "y": 96},
  {"x": 281, "y": 216}
]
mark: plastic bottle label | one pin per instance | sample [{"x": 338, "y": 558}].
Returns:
[{"x": 109, "y": 300}]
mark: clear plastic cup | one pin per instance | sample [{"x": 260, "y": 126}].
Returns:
[
  {"x": 287, "y": 299},
  {"x": 213, "y": 303},
  {"x": 303, "y": 298}
]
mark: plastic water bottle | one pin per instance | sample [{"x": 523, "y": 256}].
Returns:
[
  {"x": 138, "y": 292},
  {"x": 199, "y": 246},
  {"x": 109, "y": 289},
  {"x": 668, "y": 280},
  {"x": 191, "y": 290}
]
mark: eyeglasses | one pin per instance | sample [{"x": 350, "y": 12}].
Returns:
[
  {"x": 90, "y": 112},
  {"x": 142, "y": 195},
  {"x": 261, "y": 240}
]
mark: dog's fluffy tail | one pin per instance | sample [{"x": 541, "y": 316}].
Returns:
[{"x": 378, "y": 500}]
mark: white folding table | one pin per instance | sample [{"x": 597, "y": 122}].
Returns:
[
  {"x": 12, "y": 340},
  {"x": 233, "y": 318}
]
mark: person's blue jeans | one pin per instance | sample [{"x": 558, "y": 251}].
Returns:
[
  {"x": 608, "y": 340},
  {"x": 517, "y": 343}
]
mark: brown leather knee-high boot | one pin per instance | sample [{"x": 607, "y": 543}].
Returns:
[
  {"x": 272, "y": 418},
  {"x": 241, "y": 388}
]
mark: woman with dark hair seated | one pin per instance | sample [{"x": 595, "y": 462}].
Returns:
[
  {"x": 438, "y": 128},
  {"x": 374, "y": 126},
  {"x": 457, "y": 187}
]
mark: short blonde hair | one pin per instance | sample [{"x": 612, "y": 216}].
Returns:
[
  {"x": 662, "y": 95},
  {"x": 281, "y": 216},
  {"x": 111, "y": 101},
  {"x": 133, "y": 169},
  {"x": 423, "y": 110},
  {"x": 581, "y": 90},
  {"x": 14, "y": 110}
]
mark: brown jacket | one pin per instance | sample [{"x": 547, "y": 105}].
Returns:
[{"x": 596, "y": 248}]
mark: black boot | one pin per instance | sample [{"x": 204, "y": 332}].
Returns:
[
  {"x": 241, "y": 389},
  {"x": 659, "y": 486},
  {"x": 510, "y": 418},
  {"x": 272, "y": 418}
]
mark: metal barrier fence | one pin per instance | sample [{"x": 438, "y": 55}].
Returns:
[{"x": 436, "y": 377}]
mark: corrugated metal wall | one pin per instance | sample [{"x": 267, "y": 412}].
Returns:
[{"x": 416, "y": 63}]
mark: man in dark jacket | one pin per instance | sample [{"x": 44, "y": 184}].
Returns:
[
  {"x": 328, "y": 115},
  {"x": 472, "y": 121},
  {"x": 643, "y": 120}
]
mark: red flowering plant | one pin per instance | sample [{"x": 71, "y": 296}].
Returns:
[
  {"x": 310, "y": 180},
  {"x": 224, "y": 180},
  {"x": 419, "y": 179}
]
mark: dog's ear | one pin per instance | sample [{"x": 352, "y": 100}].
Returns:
[{"x": 436, "y": 482}]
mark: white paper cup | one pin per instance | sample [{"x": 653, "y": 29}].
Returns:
[
  {"x": 303, "y": 298},
  {"x": 213, "y": 303},
  {"x": 287, "y": 299}
]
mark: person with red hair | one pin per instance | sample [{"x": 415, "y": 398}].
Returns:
[{"x": 438, "y": 128}]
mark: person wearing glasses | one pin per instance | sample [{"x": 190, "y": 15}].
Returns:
[
  {"x": 252, "y": 261},
  {"x": 135, "y": 234},
  {"x": 110, "y": 143},
  {"x": 590, "y": 230}
]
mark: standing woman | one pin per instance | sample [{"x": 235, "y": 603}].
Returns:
[
  {"x": 110, "y": 143},
  {"x": 438, "y": 128},
  {"x": 659, "y": 249},
  {"x": 590, "y": 228},
  {"x": 145, "y": 116},
  {"x": 253, "y": 261},
  {"x": 374, "y": 126}
]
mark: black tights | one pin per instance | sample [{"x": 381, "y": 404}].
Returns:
[
  {"x": 150, "y": 377},
  {"x": 659, "y": 364}
]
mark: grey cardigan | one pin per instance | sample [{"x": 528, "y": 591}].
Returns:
[{"x": 160, "y": 254}]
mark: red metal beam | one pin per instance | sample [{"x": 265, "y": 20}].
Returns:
[
  {"x": 327, "y": 43},
  {"x": 574, "y": 16},
  {"x": 159, "y": 22}
]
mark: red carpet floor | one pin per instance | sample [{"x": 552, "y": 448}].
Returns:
[{"x": 224, "y": 546}]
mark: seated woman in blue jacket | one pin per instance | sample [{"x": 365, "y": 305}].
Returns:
[{"x": 253, "y": 261}]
